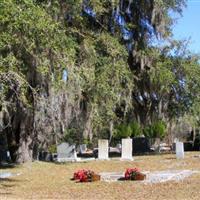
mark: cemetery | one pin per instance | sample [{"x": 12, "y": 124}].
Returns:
[
  {"x": 100, "y": 99},
  {"x": 47, "y": 180},
  {"x": 68, "y": 176}
]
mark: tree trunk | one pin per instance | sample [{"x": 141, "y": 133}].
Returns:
[
  {"x": 87, "y": 132},
  {"x": 110, "y": 130}
]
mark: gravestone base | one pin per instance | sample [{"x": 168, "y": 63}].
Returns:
[
  {"x": 111, "y": 176},
  {"x": 151, "y": 177},
  {"x": 126, "y": 159},
  {"x": 61, "y": 160},
  {"x": 103, "y": 159}
]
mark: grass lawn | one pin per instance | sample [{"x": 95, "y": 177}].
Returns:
[{"x": 40, "y": 180}]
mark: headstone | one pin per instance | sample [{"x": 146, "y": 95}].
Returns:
[
  {"x": 141, "y": 145},
  {"x": 4, "y": 153},
  {"x": 179, "y": 150},
  {"x": 197, "y": 143},
  {"x": 176, "y": 140},
  {"x": 127, "y": 149},
  {"x": 66, "y": 152},
  {"x": 188, "y": 146},
  {"x": 103, "y": 149},
  {"x": 42, "y": 155},
  {"x": 83, "y": 148},
  {"x": 119, "y": 146}
]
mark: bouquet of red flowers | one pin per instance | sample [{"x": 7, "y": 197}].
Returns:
[
  {"x": 132, "y": 173},
  {"x": 83, "y": 175}
]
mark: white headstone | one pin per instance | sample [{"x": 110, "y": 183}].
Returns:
[
  {"x": 66, "y": 152},
  {"x": 103, "y": 149},
  {"x": 127, "y": 146},
  {"x": 83, "y": 148},
  {"x": 176, "y": 140},
  {"x": 8, "y": 154},
  {"x": 179, "y": 150}
]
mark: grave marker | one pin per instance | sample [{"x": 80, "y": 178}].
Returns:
[
  {"x": 127, "y": 149},
  {"x": 66, "y": 152},
  {"x": 83, "y": 148},
  {"x": 179, "y": 150},
  {"x": 103, "y": 149}
]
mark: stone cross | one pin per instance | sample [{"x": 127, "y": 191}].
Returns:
[
  {"x": 127, "y": 147},
  {"x": 103, "y": 149}
]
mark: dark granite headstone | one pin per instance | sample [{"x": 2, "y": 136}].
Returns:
[
  {"x": 141, "y": 145},
  {"x": 45, "y": 156},
  {"x": 188, "y": 146},
  {"x": 4, "y": 153},
  {"x": 197, "y": 144}
]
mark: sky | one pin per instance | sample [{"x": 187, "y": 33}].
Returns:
[{"x": 188, "y": 26}]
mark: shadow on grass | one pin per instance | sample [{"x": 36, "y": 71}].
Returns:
[
  {"x": 9, "y": 180},
  {"x": 153, "y": 153},
  {"x": 171, "y": 158},
  {"x": 5, "y": 193},
  {"x": 8, "y": 184},
  {"x": 121, "y": 179},
  {"x": 7, "y": 165}
]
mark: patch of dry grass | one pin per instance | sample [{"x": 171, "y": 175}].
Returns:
[{"x": 40, "y": 180}]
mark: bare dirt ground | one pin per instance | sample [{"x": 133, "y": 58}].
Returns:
[{"x": 40, "y": 180}]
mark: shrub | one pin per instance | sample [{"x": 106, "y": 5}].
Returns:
[
  {"x": 135, "y": 129},
  {"x": 148, "y": 131},
  {"x": 105, "y": 133},
  {"x": 122, "y": 131},
  {"x": 159, "y": 129},
  {"x": 52, "y": 149},
  {"x": 88, "y": 143},
  {"x": 71, "y": 136},
  {"x": 155, "y": 130}
]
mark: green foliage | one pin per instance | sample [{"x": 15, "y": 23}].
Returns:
[
  {"x": 122, "y": 131},
  {"x": 149, "y": 132},
  {"x": 88, "y": 143},
  {"x": 71, "y": 136},
  {"x": 104, "y": 134},
  {"x": 159, "y": 128},
  {"x": 105, "y": 77},
  {"x": 155, "y": 130},
  {"x": 52, "y": 149},
  {"x": 136, "y": 129},
  {"x": 31, "y": 42},
  {"x": 132, "y": 129}
]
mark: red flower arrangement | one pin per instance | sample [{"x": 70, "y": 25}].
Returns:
[
  {"x": 130, "y": 173},
  {"x": 83, "y": 175},
  {"x": 134, "y": 174}
]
